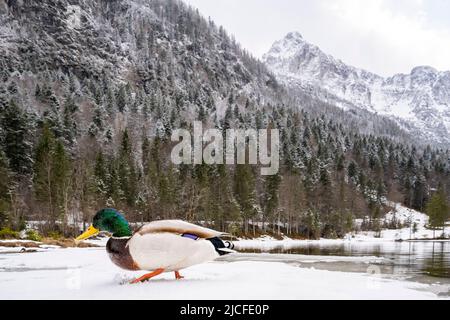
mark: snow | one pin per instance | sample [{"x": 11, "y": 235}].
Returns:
[
  {"x": 404, "y": 216},
  {"x": 75, "y": 273},
  {"x": 10, "y": 250},
  {"x": 18, "y": 241},
  {"x": 399, "y": 213},
  {"x": 267, "y": 243},
  {"x": 88, "y": 274},
  {"x": 74, "y": 17}
]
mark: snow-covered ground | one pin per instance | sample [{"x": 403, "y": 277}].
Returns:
[
  {"x": 401, "y": 214},
  {"x": 49, "y": 272},
  {"x": 405, "y": 216},
  {"x": 89, "y": 274},
  {"x": 267, "y": 243}
]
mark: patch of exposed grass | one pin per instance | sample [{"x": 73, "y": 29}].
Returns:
[
  {"x": 7, "y": 233},
  {"x": 33, "y": 235},
  {"x": 63, "y": 243}
]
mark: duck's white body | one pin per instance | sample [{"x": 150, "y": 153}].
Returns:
[
  {"x": 160, "y": 245},
  {"x": 169, "y": 251}
]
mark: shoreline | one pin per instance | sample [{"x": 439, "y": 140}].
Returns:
[{"x": 245, "y": 242}]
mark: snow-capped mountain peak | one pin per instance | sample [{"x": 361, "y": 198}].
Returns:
[
  {"x": 419, "y": 101},
  {"x": 294, "y": 46},
  {"x": 288, "y": 46},
  {"x": 294, "y": 36}
]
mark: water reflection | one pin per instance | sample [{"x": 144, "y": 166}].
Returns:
[
  {"x": 407, "y": 258},
  {"x": 438, "y": 265}
]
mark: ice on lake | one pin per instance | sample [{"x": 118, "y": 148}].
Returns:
[{"x": 88, "y": 274}]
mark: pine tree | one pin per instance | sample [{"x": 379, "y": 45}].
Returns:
[
  {"x": 247, "y": 104},
  {"x": 114, "y": 192},
  {"x": 352, "y": 170},
  {"x": 44, "y": 188},
  {"x": 244, "y": 190},
  {"x": 110, "y": 103},
  {"x": 438, "y": 210},
  {"x": 16, "y": 139},
  {"x": 313, "y": 224},
  {"x": 146, "y": 154},
  {"x": 52, "y": 172},
  {"x": 271, "y": 197},
  {"x": 61, "y": 182},
  {"x": 227, "y": 208},
  {"x": 70, "y": 129},
  {"x": 122, "y": 99},
  {"x": 236, "y": 112},
  {"x": 167, "y": 192},
  {"x": 227, "y": 121},
  {"x": 5, "y": 181},
  {"x": 419, "y": 193},
  {"x": 100, "y": 172},
  {"x": 201, "y": 113},
  {"x": 13, "y": 89},
  {"x": 127, "y": 171},
  {"x": 3, "y": 98},
  {"x": 53, "y": 116},
  {"x": 98, "y": 121},
  {"x": 152, "y": 173}
]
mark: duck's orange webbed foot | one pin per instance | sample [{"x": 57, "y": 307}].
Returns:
[
  {"x": 148, "y": 276},
  {"x": 178, "y": 276}
]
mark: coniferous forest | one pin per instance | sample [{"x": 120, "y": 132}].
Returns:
[{"x": 89, "y": 100}]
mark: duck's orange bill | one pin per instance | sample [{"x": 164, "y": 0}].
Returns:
[{"x": 90, "y": 232}]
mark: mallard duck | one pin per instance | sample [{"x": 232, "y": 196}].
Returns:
[{"x": 160, "y": 246}]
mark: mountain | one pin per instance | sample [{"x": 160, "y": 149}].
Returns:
[
  {"x": 124, "y": 42},
  {"x": 419, "y": 102},
  {"x": 91, "y": 91}
]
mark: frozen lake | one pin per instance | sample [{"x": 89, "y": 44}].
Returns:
[
  {"x": 320, "y": 271},
  {"x": 422, "y": 261}
]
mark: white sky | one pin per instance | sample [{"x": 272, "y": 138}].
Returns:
[{"x": 382, "y": 36}]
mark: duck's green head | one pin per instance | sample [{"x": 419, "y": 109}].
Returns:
[{"x": 108, "y": 220}]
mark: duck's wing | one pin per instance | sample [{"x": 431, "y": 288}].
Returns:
[{"x": 179, "y": 227}]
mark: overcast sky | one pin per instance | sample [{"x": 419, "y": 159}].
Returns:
[{"x": 382, "y": 36}]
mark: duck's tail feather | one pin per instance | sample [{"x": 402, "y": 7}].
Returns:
[
  {"x": 229, "y": 245},
  {"x": 222, "y": 247}
]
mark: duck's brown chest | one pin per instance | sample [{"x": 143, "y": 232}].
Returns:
[{"x": 119, "y": 253}]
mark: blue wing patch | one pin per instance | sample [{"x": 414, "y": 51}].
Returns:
[{"x": 190, "y": 236}]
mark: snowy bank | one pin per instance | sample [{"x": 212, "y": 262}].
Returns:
[
  {"x": 88, "y": 274},
  {"x": 404, "y": 216},
  {"x": 400, "y": 214}
]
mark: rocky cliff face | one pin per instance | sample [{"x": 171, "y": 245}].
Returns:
[{"x": 419, "y": 101}]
